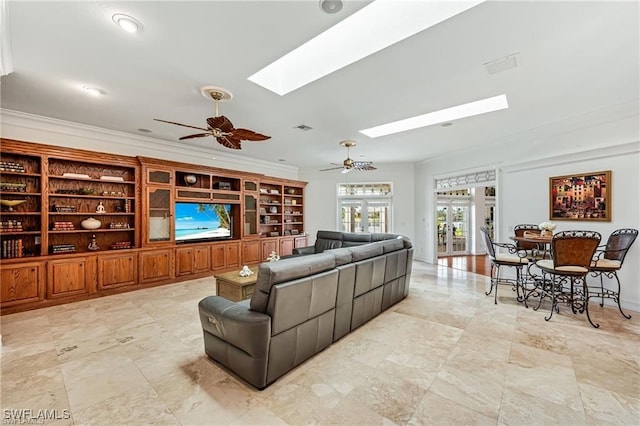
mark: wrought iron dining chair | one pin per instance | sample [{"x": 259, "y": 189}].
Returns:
[
  {"x": 534, "y": 250},
  {"x": 607, "y": 262},
  {"x": 512, "y": 258},
  {"x": 564, "y": 275}
]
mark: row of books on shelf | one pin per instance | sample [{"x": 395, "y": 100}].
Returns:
[
  {"x": 62, "y": 248},
  {"x": 11, "y": 226},
  {"x": 11, "y": 166},
  {"x": 13, "y": 187},
  {"x": 62, "y": 226},
  {"x": 12, "y": 248}
]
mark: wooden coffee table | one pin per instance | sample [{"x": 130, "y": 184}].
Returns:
[{"x": 232, "y": 286}]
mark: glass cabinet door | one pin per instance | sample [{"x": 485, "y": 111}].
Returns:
[
  {"x": 159, "y": 176},
  {"x": 250, "y": 215},
  {"x": 160, "y": 222}
]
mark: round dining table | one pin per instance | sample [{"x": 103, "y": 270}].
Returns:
[{"x": 543, "y": 243}]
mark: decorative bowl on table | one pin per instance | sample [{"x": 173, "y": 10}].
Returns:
[{"x": 11, "y": 203}]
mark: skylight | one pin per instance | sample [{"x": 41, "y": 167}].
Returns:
[
  {"x": 470, "y": 109},
  {"x": 372, "y": 28}
]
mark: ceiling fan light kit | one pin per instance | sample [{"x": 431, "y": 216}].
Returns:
[{"x": 219, "y": 126}]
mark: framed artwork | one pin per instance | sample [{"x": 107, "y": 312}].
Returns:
[{"x": 584, "y": 197}]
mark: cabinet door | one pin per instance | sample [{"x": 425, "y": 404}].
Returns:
[
  {"x": 300, "y": 242},
  {"x": 184, "y": 261},
  {"x": 159, "y": 176},
  {"x": 250, "y": 222},
  {"x": 286, "y": 246},
  {"x": 155, "y": 265},
  {"x": 159, "y": 215},
  {"x": 201, "y": 259},
  {"x": 117, "y": 270},
  {"x": 250, "y": 252},
  {"x": 269, "y": 246},
  {"x": 70, "y": 277},
  {"x": 21, "y": 283},
  {"x": 218, "y": 256},
  {"x": 232, "y": 254}
]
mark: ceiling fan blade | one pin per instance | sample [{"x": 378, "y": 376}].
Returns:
[
  {"x": 249, "y": 135},
  {"x": 346, "y": 170},
  {"x": 221, "y": 122},
  {"x": 365, "y": 168},
  {"x": 229, "y": 142},
  {"x": 197, "y": 135},
  {"x": 332, "y": 168},
  {"x": 179, "y": 124}
]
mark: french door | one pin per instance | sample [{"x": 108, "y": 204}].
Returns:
[
  {"x": 365, "y": 215},
  {"x": 453, "y": 227}
]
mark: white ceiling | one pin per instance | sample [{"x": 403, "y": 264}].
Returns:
[{"x": 578, "y": 65}]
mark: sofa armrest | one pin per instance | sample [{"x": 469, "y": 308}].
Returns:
[
  {"x": 234, "y": 323},
  {"x": 304, "y": 250}
]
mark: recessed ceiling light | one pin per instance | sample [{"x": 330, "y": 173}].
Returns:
[
  {"x": 144, "y": 130},
  {"x": 282, "y": 160},
  {"x": 92, "y": 91},
  {"x": 470, "y": 109},
  {"x": 127, "y": 23},
  {"x": 372, "y": 28},
  {"x": 331, "y": 6}
]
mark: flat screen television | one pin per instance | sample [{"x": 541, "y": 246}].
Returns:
[{"x": 196, "y": 222}]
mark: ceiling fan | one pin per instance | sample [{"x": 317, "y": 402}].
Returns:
[
  {"x": 220, "y": 127},
  {"x": 349, "y": 164}
]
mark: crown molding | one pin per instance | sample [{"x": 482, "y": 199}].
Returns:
[{"x": 35, "y": 128}]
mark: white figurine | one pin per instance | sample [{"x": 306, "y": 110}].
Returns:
[
  {"x": 100, "y": 208},
  {"x": 246, "y": 272}
]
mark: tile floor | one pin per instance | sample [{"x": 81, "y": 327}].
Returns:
[{"x": 444, "y": 355}]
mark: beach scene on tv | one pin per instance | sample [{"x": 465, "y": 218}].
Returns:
[{"x": 200, "y": 221}]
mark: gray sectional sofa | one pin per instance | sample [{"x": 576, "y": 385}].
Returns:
[{"x": 303, "y": 304}]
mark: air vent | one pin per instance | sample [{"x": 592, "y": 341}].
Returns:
[
  {"x": 502, "y": 64},
  {"x": 303, "y": 127}
]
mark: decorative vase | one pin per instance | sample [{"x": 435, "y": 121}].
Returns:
[
  {"x": 91, "y": 223},
  {"x": 273, "y": 209},
  {"x": 190, "y": 179}
]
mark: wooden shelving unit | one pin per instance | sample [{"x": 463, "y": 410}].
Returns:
[
  {"x": 21, "y": 225},
  {"x": 78, "y": 190},
  {"x": 53, "y": 259}
]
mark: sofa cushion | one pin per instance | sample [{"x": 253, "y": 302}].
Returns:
[
  {"x": 366, "y": 251},
  {"x": 271, "y": 273},
  {"x": 382, "y": 237},
  {"x": 391, "y": 245},
  {"x": 326, "y": 240},
  {"x": 351, "y": 239},
  {"x": 342, "y": 255}
]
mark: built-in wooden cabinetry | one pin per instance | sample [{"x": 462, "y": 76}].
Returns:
[
  {"x": 50, "y": 256},
  {"x": 117, "y": 269}
]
